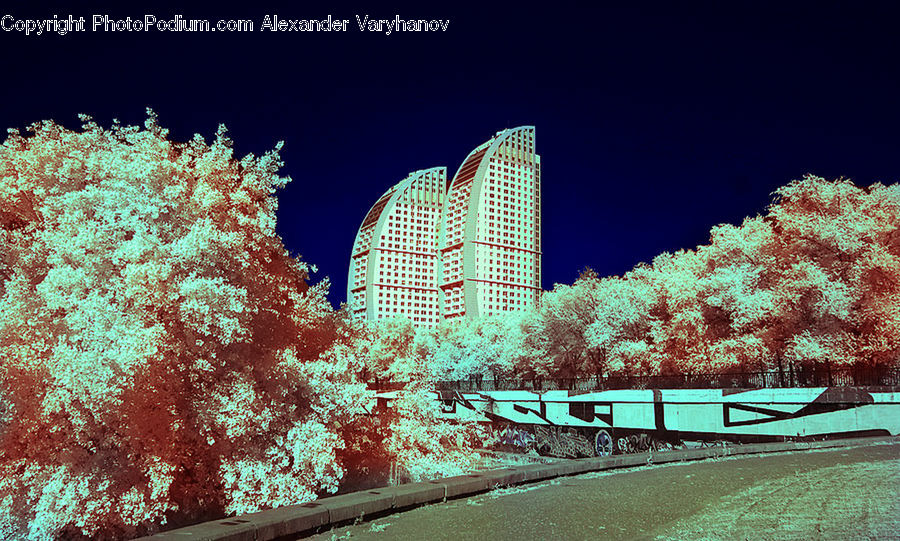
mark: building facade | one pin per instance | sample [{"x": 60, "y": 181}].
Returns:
[
  {"x": 490, "y": 246},
  {"x": 431, "y": 250},
  {"x": 394, "y": 263}
]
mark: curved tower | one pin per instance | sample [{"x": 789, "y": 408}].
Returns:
[
  {"x": 490, "y": 242},
  {"x": 393, "y": 265}
]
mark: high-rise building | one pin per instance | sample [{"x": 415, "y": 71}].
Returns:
[
  {"x": 394, "y": 263},
  {"x": 490, "y": 246},
  {"x": 429, "y": 250}
]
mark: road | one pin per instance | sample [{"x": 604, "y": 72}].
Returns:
[{"x": 850, "y": 493}]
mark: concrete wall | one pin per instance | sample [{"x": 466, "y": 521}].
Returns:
[{"x": 792, "y": 412}]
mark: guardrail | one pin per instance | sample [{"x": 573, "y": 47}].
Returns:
[{"x": 849, "y": 377}]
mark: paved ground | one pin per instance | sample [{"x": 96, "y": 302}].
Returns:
[{"x": 834, "y": 494}]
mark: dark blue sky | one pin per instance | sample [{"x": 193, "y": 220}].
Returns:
[{"x": 654, "y": 123}]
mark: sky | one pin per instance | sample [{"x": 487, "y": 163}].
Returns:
[{"x": 654, "y": 122}]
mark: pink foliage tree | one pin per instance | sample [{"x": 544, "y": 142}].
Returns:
[
  {"x": 814, "y": 283},
  {"x": 163, "y": 357},
  {"x": 837, "y": 256}
]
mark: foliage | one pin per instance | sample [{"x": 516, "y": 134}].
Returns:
[
  {"x": 422, "y": 444},
  {"x": 500, "y": 345},
  {"x": 816, "y": 281},
  {"x": 161, "y": 349}
]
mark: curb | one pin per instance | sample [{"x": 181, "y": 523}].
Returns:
[{"x": 310, "y": 518}]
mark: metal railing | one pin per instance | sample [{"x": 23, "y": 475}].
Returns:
[{"x": 818, "y": 377}]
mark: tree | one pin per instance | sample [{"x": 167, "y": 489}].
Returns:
[
  {"x": 838, "y": 248},
  {"x": 445, "y": 353},
  {"x": 161, "y": 349},
  {"x": 565, "y": 314},
  {"x": 618, "y": 337},
  {"x": 799, "y": 287},
  {"x": 384, "y": 348},
  {"x": 422, "y": 444}
]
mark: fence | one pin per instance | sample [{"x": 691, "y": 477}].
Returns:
[{"x": 818, "y": 377}]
